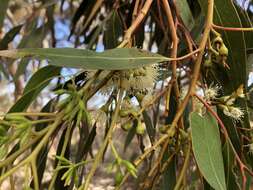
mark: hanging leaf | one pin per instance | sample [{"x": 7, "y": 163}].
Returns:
[
  {"x": 33, "y": 40},
  {"x": 130, "y": 135},
  {"x": 229, "y": 158},
  {"x": 149, "y": 126},
  {"x": 115, "y": 59},
  {"x": 114, "y": 30},
  {"x": 40, "y": 76},
  {"x": 3, "y": 10},
  {"x": 34, "y": 86},
  {"x": 186, "y": 14},
  {"x": 9, "y": 36},
  {"x": 207, "y": 149}
]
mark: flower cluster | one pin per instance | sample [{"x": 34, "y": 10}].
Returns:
[
  {"x": 133, "y": 80},
  {"x": 227, "y": 104},
  {"x": 212, "y": 92},
  {"x": 233, "y": 112}
]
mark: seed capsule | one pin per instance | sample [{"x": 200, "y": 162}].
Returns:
[
  {"x": 140, "y": 129},
  {"x": 127, "y": 126},
  {"x": 218, "y": 40},
  {"x": 118, "y": 178},
  {"x": 223, "y": 51},
  {"x": 124, "y": 113},
  {"x": 208, "y": 63}
]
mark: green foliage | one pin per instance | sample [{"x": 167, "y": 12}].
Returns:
[
  {"x": 115, "y": 59},
  {"x": 207, "y": 149}
]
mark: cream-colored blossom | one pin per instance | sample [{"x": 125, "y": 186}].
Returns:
[
  {"x": 251, "y": 149},
  {"x": 236, "y": 112},
  {"x": 211, "y": 92},
  {"x": 233, "y": 112},
  {"x": 134, "y": 80},
  {"x": 143, "y": 78}
]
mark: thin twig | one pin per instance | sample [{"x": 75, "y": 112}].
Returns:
[
  {"x": 196, "y": 70},
  {"x": 184, "y": 168},
  {"x": 100, "y": 153},
  {"x": 64, "y": 148},
  {"x": 35, "y": 152},
  {"x": 232, "y": 29},
  {"x": 136, "y": 23},
  {"x": 35, "y": 175}
]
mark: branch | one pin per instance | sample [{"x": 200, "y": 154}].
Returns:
[
  {"x": 100, "y": 153},
  {"x": 196, "y": 70},
  {"x": 136, "y": 23}
]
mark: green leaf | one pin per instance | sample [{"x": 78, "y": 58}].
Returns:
[
  {"x": 168, "y": 178},
  {"x": 130, "y": 135},
  {"x": 229, "y": 158},
  {"x": 9, "y": 36},
  {"x": 186, "y": 14},
  {"x": 3, "y": 10},
  {"x": 33, "y": 40},
  {"x": 34, "y": 86},
  {"x": 246, "y": 23},
  {"x": 225, "y": 14},
  {"x": 114, "y": 30},
  {"x": 90, "y": 140},
  {"x": 23, "y": 103},
  {"x": 149, "y": 126},
  {"x": 3, "y": 152},
  {"x": 207, "y": 149},
  {"x": 40, "y": 76},
  {"x": 41, "y": 159},
  {"x": 114, "y": 59},
  {"x": 59, "y": 184}
]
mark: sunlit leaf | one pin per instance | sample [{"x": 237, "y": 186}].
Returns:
[{"x": 115, "y": 59}]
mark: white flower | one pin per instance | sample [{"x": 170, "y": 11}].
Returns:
[
  {"x": 134, "y": 80},
  {"x": 211, "y": 92},
  {"x": 251, "y": 148},
  {"x": 142, "y": 78},
  {"x": 236, "y": 112},
  {"x": 233, "y": 112}
]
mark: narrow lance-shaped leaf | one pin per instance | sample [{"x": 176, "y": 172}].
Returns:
[
  {"x": 3, "y": 10},
  {"x": 207, "y": 149},
  {"x": 114, "y": 59},
  {"x": 34, "y": 86}
]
